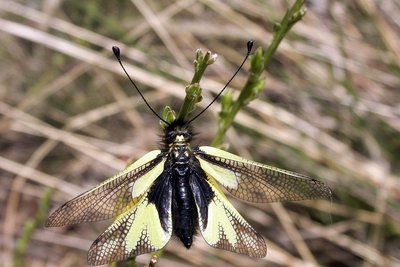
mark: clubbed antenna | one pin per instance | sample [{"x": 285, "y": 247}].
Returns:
[
  {"x": 117, "y": 53},
  {"x": 249, "y": 47}
]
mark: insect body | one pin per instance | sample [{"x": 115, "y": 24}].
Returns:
[
  {"x": 182, "y": 185},
  {"x": 175, "y": 190}
]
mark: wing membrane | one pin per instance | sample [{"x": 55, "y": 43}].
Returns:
[
  {"x": 226, "y": 229},
  {"x": 255, "y": 182},
  {"x": 134, "y": 232},
  {"x": 112, "y": 197}
]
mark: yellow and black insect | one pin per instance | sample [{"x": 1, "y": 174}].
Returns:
[{"x": 175, "y": 190}]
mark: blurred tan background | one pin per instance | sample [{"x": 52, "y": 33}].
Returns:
[{"x": 330, "y": 109}]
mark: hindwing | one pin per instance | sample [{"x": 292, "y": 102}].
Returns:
[
  {"x": 136, "y": 231},
  {"x": 226, "y": 229}
]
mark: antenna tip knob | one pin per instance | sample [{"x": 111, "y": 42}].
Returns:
[
  {"x": 116, "y": 51},
  {"x": 249, "y": 46}
]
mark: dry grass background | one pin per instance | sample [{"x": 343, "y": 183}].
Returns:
[{"x": 330, "y": 109}]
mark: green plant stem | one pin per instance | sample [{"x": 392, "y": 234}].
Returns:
[
  {"x": 293, "y": 15},
  {"x": 193, "y": 90},
  {"x": 201, "y": 67},
  {"x": 225, "y": 124},
  {"x": 193, "y": 94},
  {"x": 254, "y": 82}
]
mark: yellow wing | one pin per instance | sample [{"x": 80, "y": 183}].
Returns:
[
  {"x": 226, "y": 229},
  {"x": 134, "y": 232},
  {"x": 112, "y": 197},
  {"x": 255, "y": 182}
]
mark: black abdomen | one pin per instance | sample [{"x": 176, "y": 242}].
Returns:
[
  {"x": 184, "y": 213},
  {"x": 183, "y": 184}
]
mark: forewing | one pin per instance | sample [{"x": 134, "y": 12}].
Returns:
[
  {"x": 134, "y": 232},
  {"x": 112, "y": 197},
  {"x": 255, "y": 182},
  {"x": 226, "y": 229}
]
